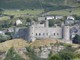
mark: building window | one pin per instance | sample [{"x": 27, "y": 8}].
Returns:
[
  {"x": 54, "y": 34},
  {"x": 46, "y": 33},
  {"x": 36, "y": 34},
  {"x": 57, "y": 33},
  {"x": 43, "y": 34},
  {"x": 39, "y": 34}
]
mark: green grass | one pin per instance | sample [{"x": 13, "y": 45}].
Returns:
[
  {"x": 29, "y": 4},
  {"x": 16, "y": 13},
  {"x": 35, "y": 12},
  {"x": 77, "y": 59},
  {"x": 28, "y": 11},
  {"x": 4, "y": 18},
  {"x": 66, "y": 12}
]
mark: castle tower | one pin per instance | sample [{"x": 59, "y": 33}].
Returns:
[
  {"x": 31, "y": 32},
  {"x": 66, "y": 32},
  {"x": 46, "y": 23}
]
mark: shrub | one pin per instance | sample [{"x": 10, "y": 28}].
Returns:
[
  {"x": 55, "y": 57},
  {"x": 4, "y": 38},
  {"x": 67, "y": 55},
  {"x": 76, "y": 39},
  {"x": 31, "y": 53},
  {"x": 12, "y": 55}
]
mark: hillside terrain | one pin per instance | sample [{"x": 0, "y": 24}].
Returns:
[
  {"x": 20, "y": 44},
  {"x": 54, "y": 4}
]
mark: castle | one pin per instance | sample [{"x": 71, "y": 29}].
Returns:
[{"x": 37, "y": 30}]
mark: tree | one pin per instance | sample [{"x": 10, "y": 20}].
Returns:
[
  {"x": 51, "y": 23},
  {"x": 28, "y": 20},
  {"x": 10, "y": 34},
  {"x": 4, "y": 37},
  {"x": 1, "y": 10},
  {"x": 76, "y": 39},
  {"x": 12, "y": 16},
  {"x": 76, "y": 17}
]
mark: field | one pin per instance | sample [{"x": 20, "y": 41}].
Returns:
[
  {"x": 20, "y": 13},
  {"x": 66, "y": 12},
  {"x": 27, "y": 11},
  {"x": 4, "y": 18},
  {"x": 35, "y": 12}
]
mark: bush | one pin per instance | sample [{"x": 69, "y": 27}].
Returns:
[
  {"x": 12, "y": 55},
  {"x": 55, "y": 57},
  {"x": 4, "y": 38},
  {"x": 77, "y": 55},
  {"x": 66, "y": 54},
  {"x": 31, "y": 53},
  {"x": 76, "y": 39},
  {"x": 10, "y": 34},
  {"x": 62, "y": 56}
]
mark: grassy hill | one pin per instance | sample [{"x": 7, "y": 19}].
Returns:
[
  {"x": 65, "y": 12},
  {"x": 20, "y": 43},
  {"x": 11, "y": 4}
]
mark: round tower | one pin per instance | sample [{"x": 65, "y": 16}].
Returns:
[
  {"x": 66, "y": 32},
  {"x": 31, "y": 32}
]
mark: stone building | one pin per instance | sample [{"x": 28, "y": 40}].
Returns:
[{"x": 37, "y": 30}]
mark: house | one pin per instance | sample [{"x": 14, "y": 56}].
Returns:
[
  {"x": 59, "y": 17},
  {"x": 45, "y": 18},
  {"x": 2, "y": 33},
  {"x": 69, "y": 22},
  {"x": 75, "y": 30},
  {"x": 49, "y": 17},
  {"x": 10, "y": 30},
  {"x": 18, "y": 22},
  {"x": 41, "y": 18},
  {"x": 70, "y": 18}
]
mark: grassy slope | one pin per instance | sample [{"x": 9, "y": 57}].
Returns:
[
  {"x": 17, "y": 43},
  {"x": 16, "y": 13},
  {"x": 35, "y": 3},
  {"x": 66, "y": 12},
  {"x": 28, "y": 11},
  {"x": 77, "y": 59},
  {"x": 20, "y": 43}
]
